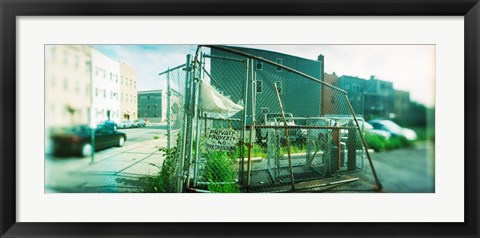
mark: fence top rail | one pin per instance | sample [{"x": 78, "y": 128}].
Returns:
[
  {"x": 273, "y": 63},
  {"x": 172, "y": 69},
  {"x": 223, "y": 57}
]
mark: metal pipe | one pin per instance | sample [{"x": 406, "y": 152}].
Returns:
[
  {"x": 197, "y": 132},
  {"x": 184, "y": 129},
  {"x": 377, "y": 181},
  {"x": 223, "y": 57},
  {"x": 252, "y": 127},
  {"x": 172, "y": 69},
  {"x": 244, "y": 123},
  {"x": 286, "y": 136},
  {"x": 193, "y": 112},
  {"x": 169, "y": 112}
]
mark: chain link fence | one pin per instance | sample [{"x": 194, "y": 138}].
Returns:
[{"x": 290, "y": 131}]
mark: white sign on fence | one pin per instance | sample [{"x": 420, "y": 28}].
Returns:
[{"x": 222, "y": 139}]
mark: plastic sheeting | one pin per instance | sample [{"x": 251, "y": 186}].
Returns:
[{"x": 216, "y": 104}]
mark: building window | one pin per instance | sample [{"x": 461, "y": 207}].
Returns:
[
  {"x": 111, "y": 76},
  {"x": 130, "y": 82},
  {"x": 87, "y": 66},
  {"x": 116, "y": 78},
  {"x": 65, "y": 57},
  {"x": 104, "y": 73},
  {"x": 259, "y": 65},
  {"x": 121, "y": 97},
  {"x": 53, "y": 82},
  {"x": 148, "y": 106},
  {"x": 96, "y": 70},
  {"x": 121, "y": 80},
  {"x": 53, "y": 53},
  {"x": 259, "y": 86},
  {"x": 96, "y": 92},
  {"x": 104, "y": 93},
  {"x": 279, "y": 87},
  {"x": 77, "y": 61},
  {"x": 148, "y": 97},
  {"x": 77, "y": 87},
  {"x": 347, "y": 87},
  {"x": 134, "y": 84},
  {"x": 279, "y": 61},
  {"x": 65, "y": 84}
]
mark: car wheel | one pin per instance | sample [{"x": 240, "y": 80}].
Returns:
[
  {"x": 121, "y": 141},
  {"x": 86, "y": 150}
]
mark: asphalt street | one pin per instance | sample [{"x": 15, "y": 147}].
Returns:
[
  {"x": 408, "y": 170},
  {"x": 116, "y": 169}
]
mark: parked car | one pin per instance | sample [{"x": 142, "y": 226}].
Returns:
[
  {"x": 368, "y": 128},
  {"x": 125, "y": 124},
  {"x": 139, "y": 123},
  {"x": 77, "y": 140},
  {"x": 394, "y": 129},
  {"x": 110, "y": 123}
]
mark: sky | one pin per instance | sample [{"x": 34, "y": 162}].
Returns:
[{"x": 409, "y": 67}]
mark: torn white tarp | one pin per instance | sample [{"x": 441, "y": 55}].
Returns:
[{"x": 214, "y": 103}]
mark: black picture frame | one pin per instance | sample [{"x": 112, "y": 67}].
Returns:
[{"x": 10, "y": 9}]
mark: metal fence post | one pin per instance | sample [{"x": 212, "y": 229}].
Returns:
[
  {"x": 169, "y": 112},
  {"x": 196, "y": 114},
  {"x": 252, "y": 126},
  {"x": 180, "y": 172},
  {"x": 244, "y": 125}
]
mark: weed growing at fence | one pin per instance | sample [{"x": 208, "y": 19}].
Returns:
[
  {"x": 164, "y": 181},
  {"x": 257, "y": 151},
  {"x": 379, "y": 143},
  {"x": 220, "y": 172}
]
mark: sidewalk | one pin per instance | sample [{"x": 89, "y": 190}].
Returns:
[{"x": 111, "y": 171}]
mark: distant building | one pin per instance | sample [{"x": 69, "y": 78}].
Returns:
[
  {"x": 355, "y": 88},
  {"x": 128, "y": 92},
  {"x": 379, "y": 97},
  {"x": 372, "y": 98},
  {"x": 401, "y": 104},
  {"x": 106, "y": 87},
  {"x": 67, "y": 85},
  {"x": 300, "y": 96},
  {"x": 152, "y": 105}
]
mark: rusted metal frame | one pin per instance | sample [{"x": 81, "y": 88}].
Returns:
[
  {"x": 377, "y": 181},
  {"x": 305, "y": 127},
  {"x": 230, "y": 50},
  {"x": 286, "y": 137}
]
